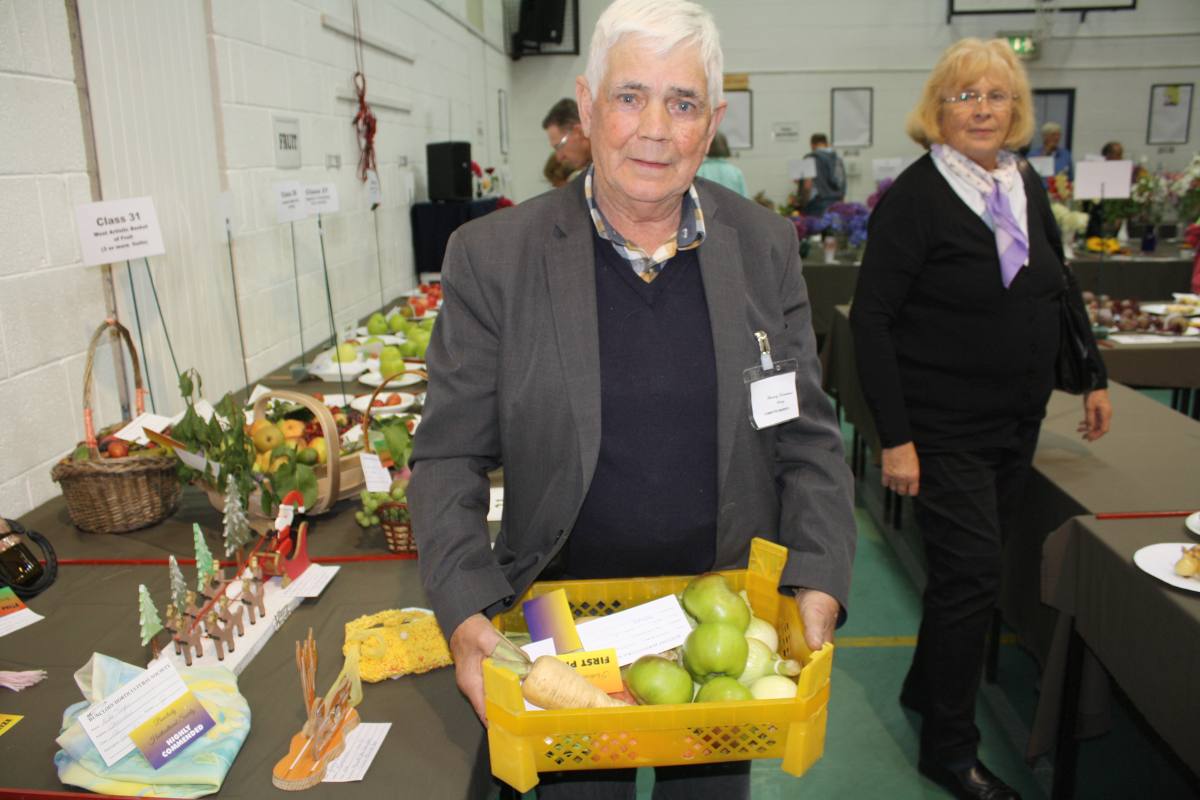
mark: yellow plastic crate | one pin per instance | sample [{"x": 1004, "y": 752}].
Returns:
[{"x": 523, "y": 743}]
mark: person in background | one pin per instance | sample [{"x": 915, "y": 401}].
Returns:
[
  {"x": 555, "y": 172},
  {"x": 571, "y": 145},
  {"x": 716, "y": 167},
  {"x": 1051, "y": 146},
  {"x": 956, "y": 328},
  {"x": 829, "y": 186},
  {"x": 1113, "y": 151},
  {"x": 593, "y": 342}
]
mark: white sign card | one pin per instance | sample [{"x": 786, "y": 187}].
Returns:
[
  {"x": 109, "y": 722},
  {"x": 1103, "y": 180},
  {"x": 377, "y": 477},
  {"x": 495, "y": 504},
  {"x": 289, "y": 201},
  {"x": 321, "y": 198},
  {"x": 135, "y": 431},
  {"x": 786, "y": 131},
  {"x": 801, "y": 168},
  {"x": 287, "y": 142},
  {"x": 653, "y": 627},
  {"x": 374, "y": 190},
  {"x": 118, "y": 230},
  {"x": 1043, "y": 165},
  {"x": 884, "y": 168},
  {"x": 362, "y": 744}
]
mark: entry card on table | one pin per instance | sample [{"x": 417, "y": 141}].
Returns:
[
  {"x": 14, "y": 614},
  {"x": 154, "y": 712},
  {"x": 362, "y": 743}
]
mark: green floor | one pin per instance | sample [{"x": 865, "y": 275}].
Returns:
[{"x": 871, "y": 743}]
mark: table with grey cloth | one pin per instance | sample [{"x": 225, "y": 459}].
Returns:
[
  {"x": 1140, "y": 277},
  {"x": 436, "y": 748},
  {"x": 1144, "y": 633}
]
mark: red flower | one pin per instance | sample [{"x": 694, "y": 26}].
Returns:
[
  {"x": 475, "y": 169},
  {"x": 504, "y": 202}
]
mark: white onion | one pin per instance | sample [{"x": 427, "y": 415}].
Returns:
[
  {"x": 773, "y": 687},
  {"x": 763, "y": 631},
  {"x": 759, "y": 660}
]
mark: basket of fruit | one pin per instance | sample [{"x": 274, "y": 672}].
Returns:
[
  {"x": 778, "y": 711},
  {"x": 388, "y": 509},
  {"x": 111, "y": 485},
  {"x": 294, "y": 454}
]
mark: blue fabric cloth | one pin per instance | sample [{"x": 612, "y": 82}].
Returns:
[
  {"x": 729, "y": 175},
  {"x": 1063, "y": 162}
]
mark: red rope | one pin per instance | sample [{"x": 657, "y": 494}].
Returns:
[
  {"x": 364, "y": 124},
  {"x": 162, "y": 562}
]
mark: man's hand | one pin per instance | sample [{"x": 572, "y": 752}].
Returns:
[
  {"x": 819, "y": 613},
  {"x": 1097, "y": 414},
  {"x": 473, "y": 641},
  {"x": 902, "y": 469}
]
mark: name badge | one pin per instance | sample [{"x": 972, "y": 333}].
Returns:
[{"x": 772, "y": 388}]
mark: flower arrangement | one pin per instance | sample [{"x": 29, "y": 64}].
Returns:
[
  {"x": 1071, "y": 223},
  {"x": 842, "y": 219},
  {"x": 1186, "y": 187}
]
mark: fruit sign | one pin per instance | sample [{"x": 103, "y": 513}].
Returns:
[{"x": 118, "y": 230}]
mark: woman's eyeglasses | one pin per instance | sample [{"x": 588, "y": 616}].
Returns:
[{"x": 970, "y": 99}]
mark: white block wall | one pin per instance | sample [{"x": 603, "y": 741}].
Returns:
[
  {"x": 49, "y": 303},
  {"x": 796, "y": 52}
]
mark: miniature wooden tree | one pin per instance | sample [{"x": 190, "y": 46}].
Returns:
[
  {"x": 148, "y": 615},
  {"x": 205, "y": 568},
  {"x": 178, "y": 584},
  {"x": 237, "y": 531}
]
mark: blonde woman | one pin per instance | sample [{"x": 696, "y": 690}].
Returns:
[{"x": 956, "y": 326}]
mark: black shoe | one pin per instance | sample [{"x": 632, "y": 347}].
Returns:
[{"x": 973, "y": 783}]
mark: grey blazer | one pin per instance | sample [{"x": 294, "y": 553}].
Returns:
[{"x": 515, "y": 382}]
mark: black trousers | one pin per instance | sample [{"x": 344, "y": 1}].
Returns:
[
  {"x": 966, "y": 501},
  {"x": 728, "y": 780}
]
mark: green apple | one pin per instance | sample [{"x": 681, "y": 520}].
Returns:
[
  {"x": 427, "y": 323},
  {"x": 395, "y": 322},
  {"x": 409, "y": 349},
  {"x": 377, "y": 324},
  {"x": 374, "y": 340},
  {"x": 346, "y": 352},
  {"x": 723, "y": 689},
  {"x": 655, "y": 680},
  {"x": 389, "y": 351},
  {"x": 708, "y": 598},
  {"x": 713, "y": 649},
  {"x": 391, "y": 366}
]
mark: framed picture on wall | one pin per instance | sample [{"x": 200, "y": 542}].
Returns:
[
  {"x": 851, "y": 117},
  {"x": 503, "y": 96},
  {"x": 1170, "y": 113},
  {"x": 738, "y": 125}
]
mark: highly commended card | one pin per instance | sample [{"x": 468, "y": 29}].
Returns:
[
  {"x": 154, "y": 711},
  {"x": 549, "y": 616}
]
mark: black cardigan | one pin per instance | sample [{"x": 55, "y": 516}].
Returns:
[{"x": 947, "y": 357}]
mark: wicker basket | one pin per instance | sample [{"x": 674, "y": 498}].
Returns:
[
  {"x": 115, "y": 495},
  {"x": 398, "y": 534},
  {"x": 338, "y": 479}
]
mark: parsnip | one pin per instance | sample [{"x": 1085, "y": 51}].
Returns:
[{"x": 552, "y": 685}]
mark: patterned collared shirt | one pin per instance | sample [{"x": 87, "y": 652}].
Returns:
[{"x": 648, "y": 265}]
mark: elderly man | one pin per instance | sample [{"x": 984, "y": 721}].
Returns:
[
  {"x": 595, "y": 342},
  {"x": 1051, "y": 146},
  {"x": 571, "y": 146}
]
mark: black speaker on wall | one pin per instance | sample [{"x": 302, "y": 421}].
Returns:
[{"x": 449, "y": 170}]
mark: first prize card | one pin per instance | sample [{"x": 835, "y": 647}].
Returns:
[{"x": 154, "y": 712}]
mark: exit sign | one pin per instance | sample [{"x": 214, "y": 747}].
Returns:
[{"x": 1022, "y": 43}]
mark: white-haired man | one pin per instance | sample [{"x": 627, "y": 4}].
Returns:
[
  {"x": 594, "y": 343},
  {"x": 1052, "y": 146}
]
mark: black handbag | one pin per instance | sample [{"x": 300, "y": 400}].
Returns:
[
  {"x": 1078, "y": 368},
  {"x": 1075, "y": 369}
]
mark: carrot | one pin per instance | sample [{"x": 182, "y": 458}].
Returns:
[{"x": 551, "y": 684}]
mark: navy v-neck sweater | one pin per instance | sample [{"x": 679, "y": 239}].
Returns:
[{"x": 651, "y": 508}]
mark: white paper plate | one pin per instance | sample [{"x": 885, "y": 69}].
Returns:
[
  {"x": 361, "y": 402},
  {"x": 338, "y": 400},
  {"x": 1159, "y": 560},
  {"x": 1185, "y": 297},
  {"x": 1162, "y": 309},
  {"x": 1192, "y": 523},
  {"x": 328, "y": 370},
  {"x": 374, "y": 379}
]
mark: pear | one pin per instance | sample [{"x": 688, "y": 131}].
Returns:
[
  {"x": 377, "y": 324},
  {"x": 708, "y": 598}
]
